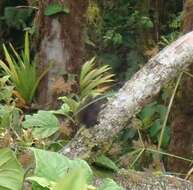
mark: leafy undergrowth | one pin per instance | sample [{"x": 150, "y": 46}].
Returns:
[
  {"x": 30, "y": 138},
  {"x": 49, "y": 170},
  {"x": 136, "y": 147}
]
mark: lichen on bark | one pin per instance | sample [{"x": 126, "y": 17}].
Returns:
[{"x": 144, "y": 85}]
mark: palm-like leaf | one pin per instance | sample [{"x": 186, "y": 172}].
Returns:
[
  {"x": 22, "y": 72},
  {"x": 94, "y": 81}
]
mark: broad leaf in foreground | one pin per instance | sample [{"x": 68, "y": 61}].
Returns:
[
  {"x": 105, "y": 162},
  {"x": 51, "y": 168},
  {"x": 73, "y": 180},
  {"x": 43, "y": 124},
  {"x": 11, "y": 172}
]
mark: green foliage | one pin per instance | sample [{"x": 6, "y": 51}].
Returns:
[
  {"x": 112, "y": 60},
  {"x": 116, "y": 33},
  {"x": 152, "y": 117},
  {"x": 109, "y": 184},
  {"x": 17, "y": 18},
  {"x": 6, "y": 115},
  {"x": 59, "y": 165},
  {"x": 69, "y": 107},
  {"x": 93, "y": 82},
  {"x": 6, "y": 91},
  {"x": 22, "y": 71},
  {"x": 9, "y": 114},
  {"x": 74, "y": 180},
  {"x": 168, "y": 39},
  {"x": 139, "y": 20},
  {"x": 55, "y": 8},
  {"x": 105, "y": 162},
  {"x": 11, "y": 172},
  {"x": 62, "y": 173},
  {"x": 43, "y": 124}
]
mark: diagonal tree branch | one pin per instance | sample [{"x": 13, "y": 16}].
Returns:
[
  {"x": 137, "y": 92},
  {"x": 132, "y": 180}
]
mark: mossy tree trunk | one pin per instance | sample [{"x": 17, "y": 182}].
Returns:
[{"x": 60, "y": 43}]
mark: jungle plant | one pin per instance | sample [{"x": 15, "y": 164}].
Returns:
[
  {"x": 61, "y": 173},
  {"x": 22, "y": 71},
  {"x": 6, "y": 90},
  {"x": 93, "y": 82}
]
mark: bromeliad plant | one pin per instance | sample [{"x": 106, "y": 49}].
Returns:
[
  {"x": 22, "y": 71},
  {"x": 93, "y": 82}
]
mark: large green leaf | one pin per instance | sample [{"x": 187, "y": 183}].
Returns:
[
  {"x": 166, "y": 137},
  {"x": 5, "y": 90},
  {"x": 42, "y": 182},
  {"x": 105, "y": 162},
  {"x": 43, "y": 124},
  {"x": 55, "y": 8},
  {"x": 155, "y": 129},
  {"x": 73, "y": 180},
  {"x": 109, "y": 184},
  {"x": 58, "y": 166},
  {"x": 6, "y": 114},
  {"x": 11, "y": 172},
  {"x": 148, "y": 111},
  {"x": 161, "y": 109}
]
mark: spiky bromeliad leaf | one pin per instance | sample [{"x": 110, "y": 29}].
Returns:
[
  {"x": 94, "y": 81},
  {"x": 22, "y": 71}
]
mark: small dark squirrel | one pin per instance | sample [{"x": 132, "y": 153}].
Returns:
[{"x": 88, "y": 116}]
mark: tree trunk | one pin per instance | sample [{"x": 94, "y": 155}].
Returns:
[
  {"x": 132, "y": 180},
  {"x": 61, "y": 44},
  {"x": 144, "y": 85},
  {"x": 1, "y": 6},
  {"x": 182, "y": 125}
]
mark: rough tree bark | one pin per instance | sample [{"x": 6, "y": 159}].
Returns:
[
  {"x": 132, "y": 180},
  {"x": 61, "y": 44},
  {"x": 131, "y": 98},
  {"x": 144, "y": 85}
]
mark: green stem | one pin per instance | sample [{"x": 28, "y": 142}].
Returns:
[
  {"x": 137, "y": 158},
  {"x": 168, "y": 110},
  {"x": 168, "y": 154}
]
